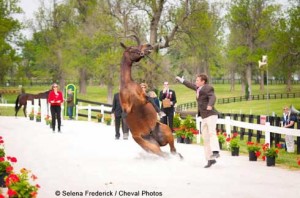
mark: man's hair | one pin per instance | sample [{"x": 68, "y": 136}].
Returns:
[{"x": 203, "y": 77}]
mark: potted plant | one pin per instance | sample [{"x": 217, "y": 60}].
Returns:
[
  {"x": 99, "y": 117},
  {"x": 31, "y": 115},
  {"x": 176, "y": 121},
  {"x": 5, "y": 167},
  {"x": 222, "y": 138},
  {"x": 20, "y": 185},
  {"x": 270, "y": 154},
  {"x": 38, "y": 117},
  {"x": 107, "y": 120},
  {"x": 234, "y": 144},
  {"x": 188, "y": 137},
  {"x": 179, "y": 135},
  {"x": 254, "y": 151},
  {"x": 188, "y": 127},
  {"x": 48, "y": 120}
]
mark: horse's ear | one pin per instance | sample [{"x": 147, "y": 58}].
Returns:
[{"x": 123, "y": 45}]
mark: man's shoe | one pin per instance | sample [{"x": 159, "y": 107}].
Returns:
[
  {"x": 161, "y": 114},
  {"x": 117, "y": 138},
  {"x": 215, "y": 155},
  {"x": 209, "y": 163}
]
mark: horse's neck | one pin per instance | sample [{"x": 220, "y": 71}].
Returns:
[{"x": 126, "y": 70}]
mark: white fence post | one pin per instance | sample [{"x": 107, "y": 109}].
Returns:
[
  {"x": 267, "y": 134},
  {"x": 89, "y": 112},
  {"x": 76, "y": 115},
  {"x": 28, "y": 107},
  {"x": 44, "y": 110},
  {"x": 102, "y": 113},
  {"x": 198, "y": 127},
  {"x": 228, "y": 126}
]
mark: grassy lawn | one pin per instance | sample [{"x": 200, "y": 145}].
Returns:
[{"x": 184, "y": 95}]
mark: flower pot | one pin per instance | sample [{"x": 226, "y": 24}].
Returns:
[
  {"x": 187, "y": 140},
  {"x": 99, "y": 119},
  {"x": 252, "y": 156},
  {"x": 31, "y": 118},
  {"x": 180, "y": 140},
  {"x": 2, "y": 182},
  {"x": 270, "y": 161},
  {"x": 235, "y": 151},
  {"x": 220, "y": 145},
  {"x": 38, "y": 120}
]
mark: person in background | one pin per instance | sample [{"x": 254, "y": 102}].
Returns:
[
  {"x": 153, "y": 95},
  {"x": 70, "y": 103},
  {"x": 116, "y": 114},
  {"x": 55, "y": 99},
  {"x": 150, "y": 99},
  {"x": 168, "y": 98},
  {"x": 288, "y": 121},
  {"x": 205, "y": 96}
]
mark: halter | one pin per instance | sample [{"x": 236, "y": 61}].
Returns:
[{"x": 136, "y": 51}]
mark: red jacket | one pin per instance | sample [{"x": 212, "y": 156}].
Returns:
[{"x": 55, "y": 99}]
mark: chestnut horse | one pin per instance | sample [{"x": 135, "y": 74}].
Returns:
[
  {"x": 22, "y": 100},
  {"x": 141, "y": 116}
]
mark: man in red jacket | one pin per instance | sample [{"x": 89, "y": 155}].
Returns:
[{"x": 55, "y": 99}]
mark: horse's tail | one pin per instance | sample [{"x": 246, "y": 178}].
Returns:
[{"x": 17, "y": 102}]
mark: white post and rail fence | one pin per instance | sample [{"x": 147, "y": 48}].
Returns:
[{"x": 227, "y": 121}]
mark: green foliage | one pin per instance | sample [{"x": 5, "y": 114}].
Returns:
[
  {"x": 9, "y": 31},
  {"x": 221, "y": 138},
  {"x": 176, "y": 121},
  {"x": 189, "y": 135},
  {"x": 179, "y": 133},
  {"x": 251, "y": 146},
  {"x": 2, "y": 152},
  {"x": 3, "y": 166},
  {"x": 234, "y": 143},
  {"x": 189, "y": 123}
]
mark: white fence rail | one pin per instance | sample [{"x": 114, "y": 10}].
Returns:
[
  {"x": 89, "y": 108},
  {"x": 266, "y": 128}
]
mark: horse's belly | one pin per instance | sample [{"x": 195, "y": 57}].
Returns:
[{"x": 141, "y": 120}]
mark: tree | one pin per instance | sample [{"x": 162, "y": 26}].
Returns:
[
  {"x": 9, "y": 34},
  {"x": 286, "y": 50},
  {"x": 247, "y": 21}
]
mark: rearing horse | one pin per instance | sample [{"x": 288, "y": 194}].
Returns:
[{"x": 141, "y": 116}]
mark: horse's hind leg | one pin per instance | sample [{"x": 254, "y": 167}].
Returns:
[
  {"x": 168, "y": 138},
  {"x": 17, "y": 110},
  {"x": 24, "y": 110},
  {"x": 148, "y": 146}
]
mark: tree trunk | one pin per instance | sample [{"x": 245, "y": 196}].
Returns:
[
  {"x": 110, "y": 89},
  {"x": 248, "y": 78},
  {"x": 262, "y": 79},
  {"x": 289, "y": 82},
  {"x": 82, "y": 80},
  {"x": 232, "y": 88}
]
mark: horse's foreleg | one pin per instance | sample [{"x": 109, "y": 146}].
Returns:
[{"x": 148, "y": 146}]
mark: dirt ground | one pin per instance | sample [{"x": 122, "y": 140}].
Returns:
[{"x": 86, "y": 161}]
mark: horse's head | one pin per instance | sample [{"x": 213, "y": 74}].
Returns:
[{"x": 135, "y": 54}]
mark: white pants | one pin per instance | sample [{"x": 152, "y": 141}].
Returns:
[
  {"x": 209, "y": 134},
  {"x": 290, "y": 143}
]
